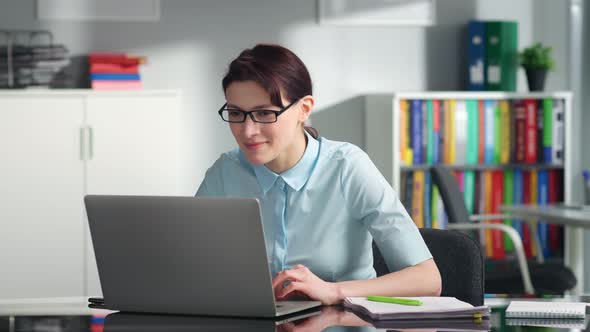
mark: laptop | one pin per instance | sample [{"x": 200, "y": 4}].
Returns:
[{"x": 184, "y": 255}]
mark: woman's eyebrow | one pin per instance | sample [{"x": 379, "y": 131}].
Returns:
[{"x": 255, "y": 107}]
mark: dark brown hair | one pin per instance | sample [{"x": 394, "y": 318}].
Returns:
[{"x": 278, "y": 70}]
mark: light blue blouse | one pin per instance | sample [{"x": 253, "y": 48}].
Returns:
[{"x": 324, "y": 212}]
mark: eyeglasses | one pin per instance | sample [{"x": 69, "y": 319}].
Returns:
[{"x": 233, "y": 115}]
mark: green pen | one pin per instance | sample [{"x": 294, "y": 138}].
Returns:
[{"x": 396, "y": 300}]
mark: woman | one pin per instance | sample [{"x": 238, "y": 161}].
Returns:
[{"x": 323, "y": 202}]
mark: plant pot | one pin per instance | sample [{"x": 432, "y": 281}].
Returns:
[{"x": 536, "y": 79}]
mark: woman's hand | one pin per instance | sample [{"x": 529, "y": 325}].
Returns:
[{"x": 301, "y": 281}]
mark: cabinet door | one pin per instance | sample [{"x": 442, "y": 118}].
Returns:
[
  {"x": 41, "y": 190},
  {"x": 134, "y": 151}
]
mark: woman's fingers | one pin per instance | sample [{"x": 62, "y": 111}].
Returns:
[
  {"x": 292, "y": 287},
  {"x": 287, "y": 275}
]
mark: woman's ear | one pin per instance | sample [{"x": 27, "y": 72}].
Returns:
[{"x": 306, "y": 104}]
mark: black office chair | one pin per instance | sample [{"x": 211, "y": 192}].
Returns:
[
  {"x": 504, "y": 277},
  {"x": 459, "y": 260}
]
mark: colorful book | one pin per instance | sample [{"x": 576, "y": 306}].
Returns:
[
  {"x": 553, "y": 197},
  {"x": 429, "y": 133},
  {"x": 461, "y": 129},
  {"x": 404, "y": 130},
  {"x": 508, "y": 200},
  {"x": 488, "y": 209},
  {"x": 481, "y": 132},
  {"x": 472, "y": 143},
  {"x": 416, "y": 131},
  {"x": 490, "y": 130},
  {"x": 116, "y": 85},
  {"x": 116, "y": 58},
  {"x": 534, "y": 199},
  {"x": 527, "y": 242},
  {"x": 540, "y": 130},
  {"x": 426, "y": 201},
  {"x": 451, "y": 133},
  {"x": 557, "y": 132},
  {"x": 436, "y": 131},
  {"x": 418, "y": 199},
  {"x": 519, "y": 131},
  {"x": 547, "y": 129},
  {"x": 434, "y": 207},
  {"x": 517, "y": 197},
  {"x": 543, "y": 199},
  {"x": 497, "y": 199},
  {"x": 530, "y": 155},
  {"x": 505, "y": 139},
  {"x": 469, "y": 190},
  {"x": 113, "y": 68},
  {"x": 497, "y": 133},
  {"x": 114, "y": 77}
]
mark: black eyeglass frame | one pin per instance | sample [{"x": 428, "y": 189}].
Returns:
[{"x": 249, "y": 113}]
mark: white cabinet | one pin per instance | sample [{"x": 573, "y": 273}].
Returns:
[
  {"x": 55, "y": 147},
  {"x": 133, "y": 150}
]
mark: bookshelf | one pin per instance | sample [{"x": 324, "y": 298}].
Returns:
[{"x": 373, "y": 123}]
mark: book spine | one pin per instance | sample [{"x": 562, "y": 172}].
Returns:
[
  {"x": 417, "y": 131},
  {"x": 531, "y": 131},
  {"x": 497, "y": 198},
  {"x": 508, "y": 200},
  {"x": 543, "y": 198},
  {"x": 547, "y": 129},
  {"x": 490, "y": 131},
  {"x": 418, "y": 199},
  {"x": 504, "y": 132},
  {"x": 558, "y": 119},
  {"x": 436, "y": 131},
  {"x": 404, "y": 129}
]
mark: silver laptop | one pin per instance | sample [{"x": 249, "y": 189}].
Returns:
[{"x": 184, "y": 255}]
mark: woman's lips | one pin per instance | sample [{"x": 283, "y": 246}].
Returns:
[{"x": 254, "y": 146}]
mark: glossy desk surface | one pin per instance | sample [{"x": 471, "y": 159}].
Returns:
[{"x": 72, "y": 314}]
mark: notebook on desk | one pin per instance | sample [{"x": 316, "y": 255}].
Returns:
[
  {"x": 431, "y": 308},
  {"x": 544, "y": 309},
  {"x": 560, "y": 323}
]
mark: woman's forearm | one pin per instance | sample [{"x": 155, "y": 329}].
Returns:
[{"x": 419, "y": 280}]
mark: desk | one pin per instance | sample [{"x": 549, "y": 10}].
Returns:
[
  {"x": 574, "y": 219},
  {"x": 72, "y": 315}
]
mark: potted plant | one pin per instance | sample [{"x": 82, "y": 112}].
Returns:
[{"x": 536, "y": 60}]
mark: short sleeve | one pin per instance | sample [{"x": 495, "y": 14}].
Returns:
[{"x": 373, "y": 202}]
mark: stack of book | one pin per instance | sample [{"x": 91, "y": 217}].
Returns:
[
  {"x": 501, "y": 152},
  {"x": 27, "y": 61},
  {"x": 492, "y": 53},
  {"x": 115, "y": 71}
]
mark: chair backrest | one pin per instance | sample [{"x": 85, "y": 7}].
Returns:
[
  {"x": 459, "y": 260},
  {"x": 450, "y": 194}
]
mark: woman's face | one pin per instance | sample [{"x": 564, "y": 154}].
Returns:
[{"x": 262, "y": 143}]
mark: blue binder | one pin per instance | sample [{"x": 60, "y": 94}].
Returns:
[{"x": 476, "y": 55}]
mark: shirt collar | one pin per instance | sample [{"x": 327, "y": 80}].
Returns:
[{"x": 296, "y": 176}]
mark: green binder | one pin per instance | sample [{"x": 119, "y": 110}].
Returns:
[{"x": 501, "y": 55}]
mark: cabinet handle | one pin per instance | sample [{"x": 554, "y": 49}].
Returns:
[
  {"x": 82, "y": 144},
  {"x": 90, "y": 143}
]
